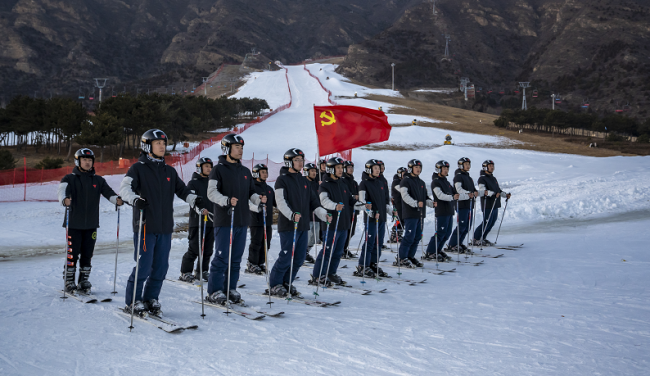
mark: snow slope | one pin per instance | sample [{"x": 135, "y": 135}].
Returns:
[{"x": 573, "y": 301}]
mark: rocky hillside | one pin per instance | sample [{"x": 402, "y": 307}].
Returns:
[
  {"x": 597, "y": 50},
  {"x": 55, "y": 45}
]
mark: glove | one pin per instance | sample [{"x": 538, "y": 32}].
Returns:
[
  {"x": 140, "y": 203},
  {"x": 329, "y": 219},
  {"x": 293, "y": 216},
  {"x": 197, "y": 201}
]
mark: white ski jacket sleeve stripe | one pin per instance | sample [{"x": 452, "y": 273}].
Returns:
[
  {"x": 463, "y": 194},
  {"x": 283, "y": 207},
  {"x": 406, "y": 198},
  {"x": 326, "y": 202},
  {"x": 441, "y": 195},
  {"x": 126, "y": 190},
  {"x": 214, "y": 195}
]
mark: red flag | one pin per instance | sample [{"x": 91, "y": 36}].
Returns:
[{"x": 341, "y": 128}]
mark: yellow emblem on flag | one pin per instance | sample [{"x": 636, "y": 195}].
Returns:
[{"x": 330, "y": 118}]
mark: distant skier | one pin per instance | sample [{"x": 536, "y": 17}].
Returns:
[
  {"x": 311, "y": 173},
  {"x": 199, "y": 186},
  {"x": 397, "y": 231},
  {"x": 80, "y": 192},
  {"x": 414, "y": 199},
  {"x": 464, "y": 185},
  {"x": 230, "y": 183},
  {"x": 490, "y": 194},
  {"x": 294, "y": 197},
  {"x": 335, "y": 196},
  {"x": 256, "y": 256},
  {"x": 353, "y": 186},
  {"x": 444, "y": 195},
  {"x": 150, "y": 185}
]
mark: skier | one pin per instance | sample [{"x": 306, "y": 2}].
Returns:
[
  {"x": 336, "y": 197},
  {"x": 294, "y": 197},
  {"x": 199, "y": 186},
  {"x": 314, "y": 223},
  {"x": 353, "y": 186},
  {"x": 322, "y": 166},
  {"x": 256, "y": 256},
  {"x": 444, "y": 195},
  {"x": 464, "y": 185},
  {"x": 397, "y": 231},
  {"x": 230, "y": 182},
  {"x": 490, "y": 193},
  {"x": 414, "y": 197},
  {"x": 373, "y": 192},
  {"x": 149, "y": 186},
  {"x": 79, "y": 191}
]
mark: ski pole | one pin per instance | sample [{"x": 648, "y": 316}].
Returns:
[
  {"x": 293, "y": 251},
  {"x": 457, "y": 233},
  {"x": 313, "y": 221},
  {"x": 322, "y": 262},
  {"x": 422, "y": 233},
  {"x": 502, "y": 216},
  {"x": 137, "y": 266},
  {"x": 365, "y": 251},
  {"x": 232, "y": 222},
  {"x": 473, "y": 224},
  {"x": 349, "y": 237},
  {"x": 67, "y": 246},
  {"x": 201, "y": 247},
  {"x": 117, "y": 249},
  {"x": 336, "y": 226},
  {"x": 486, "y": 222},
  {"x": 266, "y": 255},
  {"x": 399, "y": 247},
  {"x": 361, "y": 238},
  {"x": 377, "y": 240},
  {"x": 435, "y": 235},
  {"x": 469, "y": 225},
  {"x": 388, "y": 232}
]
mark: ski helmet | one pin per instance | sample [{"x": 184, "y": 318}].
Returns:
[
  {"x": 290, "y": 154},
  {"x": 83, "y": 153},
  {"x": 257, "y": 168},
  {"x": 486, "y": 163},
  {"x": 463, "y": 160},
  {"x": 412, "y": 163},
  {"x": 332, "y": 163},
  {"x": 229, "y": 140},
  {"x": 401, "y": 170},
  {"x": 348, "y": 164},
  {"x": 440, "y": 164},
  {"x": 150, "y": 136},
  {"x": 369, "y": 164},
  {"x": 309, "y": 166},
  {"x": 201, "y": 162}
]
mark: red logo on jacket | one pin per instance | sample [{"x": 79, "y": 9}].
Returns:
[
  {"x": 245, "y": 177},
  {"x": 169, "y": 179},
  {"x": 94, "y": 185}
]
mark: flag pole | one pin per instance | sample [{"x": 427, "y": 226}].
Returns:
[{"x": 317, "y": 161}]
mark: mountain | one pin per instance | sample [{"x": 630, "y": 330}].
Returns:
[{"x": 597, "y": 50}]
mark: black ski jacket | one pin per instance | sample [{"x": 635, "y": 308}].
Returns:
[
  {"x": 157, "y": 183},
  {"x": 313, "y": 185},
  {"x": 293, "y": 195},
  {"x": 464, "y": 185},
  {"x": 489, "y": 182},
  {"x": 443, "y": 194},
  {"x": 331, "y": 193},
  {"x": 374, "y": 191},
  {"x": 84, "y": 189},
  {"x": 257, "y": 214},
  {"x": 352, "y": 184},
  {"x": 228, "y": 180},
  {"x": 199, "y": 186},
  {"x": 396, "y": 195},
  {"x": 413, "y": 190}
]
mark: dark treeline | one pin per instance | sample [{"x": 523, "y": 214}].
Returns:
[
  {"x": 118, "y": 122},
  {"x": 544, "y": 119}
]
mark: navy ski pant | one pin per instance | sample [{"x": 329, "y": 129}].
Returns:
[
  {"x": 463, "y": 225},
  {"x": 371, "y": 256},
  {"x": 443, "y": 231},
  {"x": 336, "y": 246},
  {"x": 281, "y": 269},
  {"x": 488, "y": 223},
  {"x": 152, "y": 269},
  {"x": 219, "y": 266},
  {"x": 411, "y": 238}
]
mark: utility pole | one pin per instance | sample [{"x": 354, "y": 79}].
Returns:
[
  {"x": 524, "y": 85},
  {"x": 447, "y": 40},
  {"x": 205, "y": 86},
  {"x": 553, "y": 101},
  {"x": 393, "y": 66},
  {"x": 434, "y": 6}
]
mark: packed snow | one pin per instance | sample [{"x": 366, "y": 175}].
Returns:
[{"x": 574, "y": 300}]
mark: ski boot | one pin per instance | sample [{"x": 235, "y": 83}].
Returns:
[
  {"x": 465, "y": 249},
  {"x": 84, "y": 284},
  {"x": 415, "y": 262},
  {"x": 323, "y": 281},
  {"x": 278, "y": 290},
  {"x": 217, "y": 297},
  {"x": 153, "y": 307},
  {"x": 405, "y": 263},
  {"x": 487, "y": 243},
  {"x": 348, "y": 255},
  {"x": 336, "y": 279},
  {"x": 138, "y": 310},
  {"x": 368, "y": 273},
  {"x": 68, "y": 275},
  {"x": 454, "y": 249},
  {"x": 375, "y": 268},
  {"x": 309, "y": 259},
  {"x": 205, "y": 275},
  {"x": 235, "y": 297},
  {"x": 253, "y": 269},
  {"x": 263, "y": 268},
  {"x": 187, "y": 277},
  {"x": 294, "y": 292}
]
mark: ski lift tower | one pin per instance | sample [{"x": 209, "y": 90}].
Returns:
[
  {"x": 205, "y": 86},
  {"x": 553, "y": 101},
  {"x": 433, "y": 6},
  {"x": 100, "y": 83},
  {"x": 463, "y": 85},
  {"x": 393, "y": 67},
  {"x": 524, "y": 85},
  {"x": 447, "y": 39}
]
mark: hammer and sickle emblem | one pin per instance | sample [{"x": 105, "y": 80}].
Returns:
[{"x": 330, "y": 118}]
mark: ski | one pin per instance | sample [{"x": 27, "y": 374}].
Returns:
[
  {"x": 487, "y": 255},
  {"x": 167, "y": 321},
  {"x": 167, "y": 327},
  {"x": 507, "y": 246},
  {"x": 84, "y": 298},
  {"x": 91, "y": 296},
  {"x": 309, "y": 302},
  {"x": 351, "y": 289},
  {"x": 194, "y": 284},
  {"x": 236, "y": 309},
  {"x": 391, "y": 279}
]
